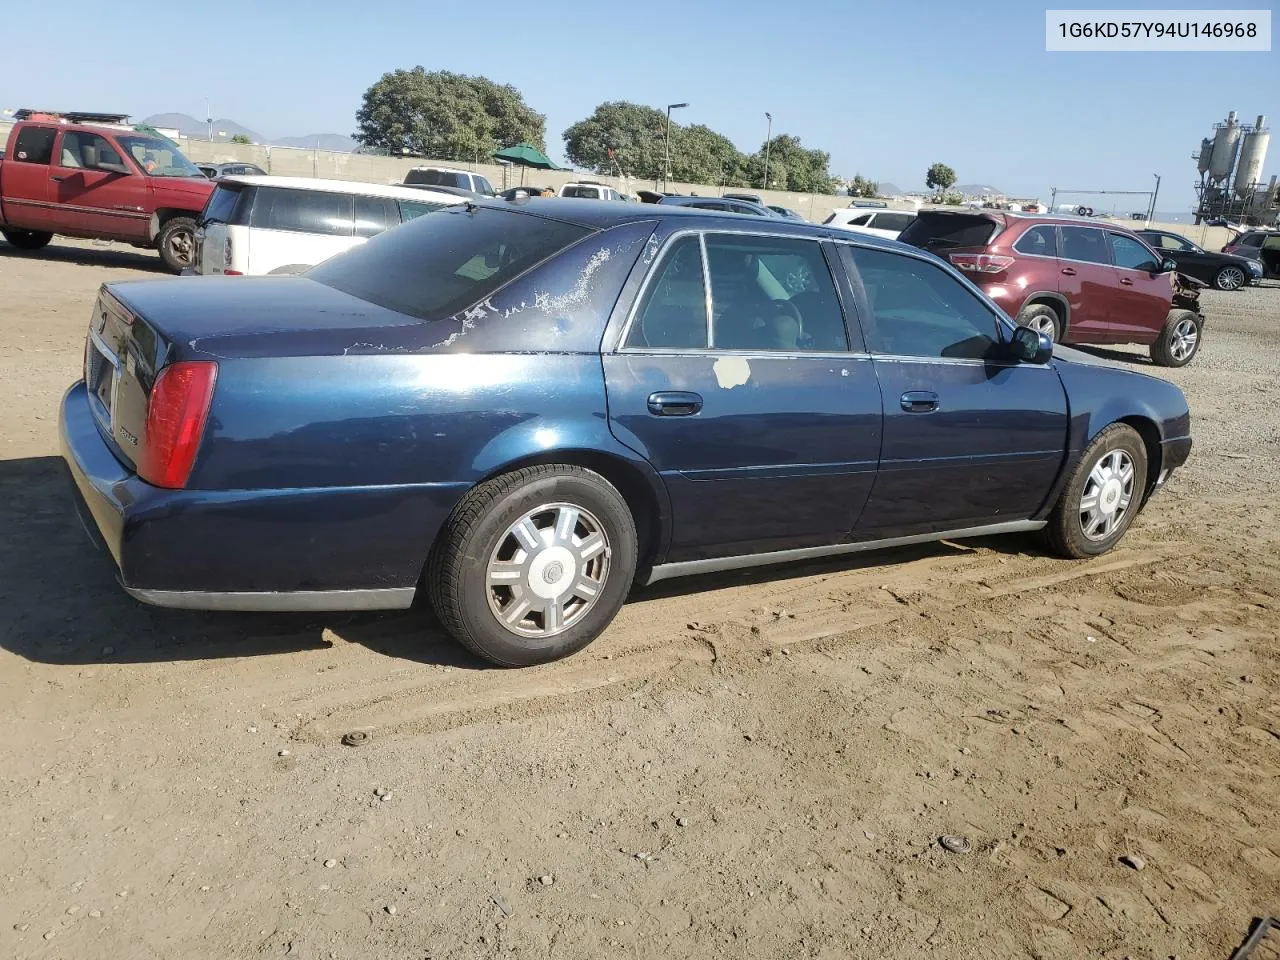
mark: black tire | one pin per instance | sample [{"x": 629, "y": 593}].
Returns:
[
  {"x": 1231, "y": 277},
  {"x": 177, "y": 243},
  {"x": 1170, "y": 348},
  {"x": 27, "y": 239},
  {"x": 1065, "y": 531},
  {"x": 457, "y": 572},
  {"x": 1035, "y": 314}
]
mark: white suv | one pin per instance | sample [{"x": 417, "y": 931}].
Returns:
[
  {"x": 877, "y": 221},
  {"x": 587, "y": 190},
  {"x": 259, "y": 225},
  {"x": 448, "y": 177}
]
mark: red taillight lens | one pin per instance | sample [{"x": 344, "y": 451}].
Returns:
[
  {"x": 981, "y": 262},
  {"x": 176, "y": 414},
  {"x": 1229, "y": 248}
]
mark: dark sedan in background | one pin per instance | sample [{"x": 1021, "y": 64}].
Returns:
[
  {"x": 720, "y": 205},
  {"x": 521, "y": 410},
  {"x": 1224, "y": 271}
]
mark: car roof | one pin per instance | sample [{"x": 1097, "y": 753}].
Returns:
[
  {"x": 604, "y": 214},
  {"x": 1102, "y": 223},
  {"x": 446, "y": 170},
  {"x": 361, "y": 188}
]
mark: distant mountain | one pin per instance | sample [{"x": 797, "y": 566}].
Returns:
[
  {"x": 889, "y": 189},
  {"x": 977, "y": 189},
  {"x": 224, "y": 130}
]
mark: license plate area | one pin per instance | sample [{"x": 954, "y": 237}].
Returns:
[{"x": 102, "y": 377}]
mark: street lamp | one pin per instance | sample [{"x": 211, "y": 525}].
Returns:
[
  {"x": 666, "y": 176},
  {"x": 768, "y": 139}
]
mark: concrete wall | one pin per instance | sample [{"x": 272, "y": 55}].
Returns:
[{"x": 295, "y": 162}]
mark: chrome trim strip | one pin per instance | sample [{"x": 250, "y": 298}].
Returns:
[
  {"x": 687, "y": 568},
  {"x": 727, "y": 352},
  {"x": 392, "y": 598},
  {"x": 708, "y": 308}
]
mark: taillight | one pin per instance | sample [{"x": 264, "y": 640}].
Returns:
[
  {"x": 1229, "y": 248},
  {"x": 981, "y": 262},
  {"x": 176, "y": 414}
]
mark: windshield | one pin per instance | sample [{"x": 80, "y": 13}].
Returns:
[
  {"x": 159, "y": 158},
  {"x": 438, "y": 265}
]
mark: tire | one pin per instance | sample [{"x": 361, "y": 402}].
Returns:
[
  {"x": 1230, "y": 277},
  {"x": 1075, "y": 533},
  {"x": 177, "y": 243},
  {"x": 1179, "y": 341},
  {"x": 480, "y": 540},
  {"x": 27, "y": 239},
  {"x": 1041, "y": 317}
]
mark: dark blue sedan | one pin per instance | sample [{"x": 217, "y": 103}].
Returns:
[{"x": 524, "y": 408}]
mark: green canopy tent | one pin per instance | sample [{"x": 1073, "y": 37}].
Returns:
[{"x": 524, "y": 155}]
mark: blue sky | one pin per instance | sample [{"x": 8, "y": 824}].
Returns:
[{"x": 885, "y": 88}]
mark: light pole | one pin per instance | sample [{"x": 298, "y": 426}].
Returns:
[
  {"x": 1151, "y": 211},
  {"x": 768, "y": 141},
  {"x": 666, "y": 169}
]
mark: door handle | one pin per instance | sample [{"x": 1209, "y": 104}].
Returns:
[
  {"x": 1068, "y": 271},
  {"x": 1126, "y": 281},
  {"x": 57, "y": 179},
  {"x": 919, "y": 401},
  {"x": 674, "y": 404}
]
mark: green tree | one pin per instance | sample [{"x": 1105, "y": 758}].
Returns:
[
  {"x": 632, "y": 131},
  {"x": 700, "y": 155},
  {"x": 241, "y": 138},
  {"x": 445, "y": 115},
  {"x": 859, "y": 186},
  {"x": 792, "y": 167},
  {"x": 940, "y": 177}
]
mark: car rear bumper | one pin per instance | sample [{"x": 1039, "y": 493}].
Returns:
[{"x": 341, "y": 548}]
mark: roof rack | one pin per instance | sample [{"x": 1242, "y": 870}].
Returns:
[{"x": 74, "y": 116}]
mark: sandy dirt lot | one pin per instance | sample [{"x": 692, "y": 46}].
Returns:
[{"x": 757, "y": 765}]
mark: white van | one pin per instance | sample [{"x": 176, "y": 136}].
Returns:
[
  {"x": 259, "y": 225},
  {"x": 589, "y": 190},
  {"x": 878, "y": 222}
]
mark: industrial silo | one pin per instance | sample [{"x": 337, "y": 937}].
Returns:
[
  {"x": 1225, "y": 141},
  {"x": 1204, "y": 156},
  {"x": 1253, "y": 153}
]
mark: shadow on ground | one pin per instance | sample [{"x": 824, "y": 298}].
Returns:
[
  {"x": 62, "y": 604},
  {"x": 119, "y": 256}
]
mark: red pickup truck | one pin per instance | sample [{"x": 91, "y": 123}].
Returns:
[{"x": 95, "y": 176}]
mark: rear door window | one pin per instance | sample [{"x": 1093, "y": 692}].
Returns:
[
  {"x": 483, "y": 185},
  {"x": 375, "y": 214},
  {"x": 412, "y": 209},
  {"x": 303, "y": 211},
  {"x": 1084, "y": 245},
  {"x": 1039, "y": 241},
  {"x": 34, "y": 145},
  {"x": 673, "y": 314},
  {"x": 229, "y": 203}
]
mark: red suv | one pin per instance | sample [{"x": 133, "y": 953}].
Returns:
[{"x": 1079, "y": 281}]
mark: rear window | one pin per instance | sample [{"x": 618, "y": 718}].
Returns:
[
  {"x": 438, "y": 178},
  {"x": 945, "y": 231},
  {"x": 438, "y": 266},
  {"x": 413, "y": 209},
  {"x": 35, "y": 145},
  {"x": 893, "y": 221},
  {"x": 1253, "y": 239},
  {"x": 229, "y": 203},
  {"x": 303, "y": 211},
  {"x": 585, "y": 193}
]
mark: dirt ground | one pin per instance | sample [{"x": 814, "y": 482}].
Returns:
[{"x": 758, "y": 765}]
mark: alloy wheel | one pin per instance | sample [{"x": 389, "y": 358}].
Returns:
[
  {"x": 1230, "y": 278},
  {"x": 1183, "y": 339},
  {"x": 1107, "y": 496}
]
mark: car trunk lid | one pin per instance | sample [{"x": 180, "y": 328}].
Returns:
[{"x": 944, "y": 232}]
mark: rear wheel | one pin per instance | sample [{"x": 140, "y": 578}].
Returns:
[
  {"x": 1103, "y": 495},
  {"x": 1042, "y": 318},
  {"x": 534, "y": 565},
  {"x": 1179, "y": 341},
  {"x": 1230, "y": 277},
  {"x": 27, "y": 239},
  {"x": 177, "y": 243}
]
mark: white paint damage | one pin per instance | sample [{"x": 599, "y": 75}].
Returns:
[
  {"x": 549, "y": 304},
  {"x": 731, "y": 372}
]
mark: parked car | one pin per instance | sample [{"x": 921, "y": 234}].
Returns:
[
  {"x": 94, "y": 176},
  {"x": 1076, "y": 281},
  {"x": 653, "y": 196},
  {"x": 589, "y": 190},
  {"x": 448, "y": 177},
  {"x": 264, "y": 225},
  {"x": 216, "y": 171},
  {"x": 1222, "y": 270},
  {"x": 1262, "y": 246},
  {"x": 450, "y": 409},
  {"x": 785, "y": 212},
  {"x": 747, "y": 197},
  {"x": 879, "y": 223},
  {"x": 719, "y": 204},
  {"x": 520, "y": 193}
]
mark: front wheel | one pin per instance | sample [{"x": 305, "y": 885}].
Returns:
[
  {"x": 177, "y": 243},
  {"x": 27, "y": 239},
  {"x": 1103, "y": 495},
  {"x": 534, "y": 565},
  {"x": 1179, "y": 341},
  {"x": 1230, "y": 277},
  {"x": 1041, "y": 318}
]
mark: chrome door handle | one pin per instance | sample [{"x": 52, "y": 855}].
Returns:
[
  {"x": 674, "y": 403},
  {"x": 1068, "y": 271},
  {"x": 919, "y": 401},
  {"x": 1126, "y": 281}
]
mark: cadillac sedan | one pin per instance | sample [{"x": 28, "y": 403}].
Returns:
[{"x": 522, "y": 409}]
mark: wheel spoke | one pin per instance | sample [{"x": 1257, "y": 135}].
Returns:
[
  {"x": 517, "y": 611},
  {"x": 590, "y": 547},
  {"x": 1098, "y": 475},
  {"x": 528, "y": 535},
  {"x": 585, "y": 589},
  {"x": 504, "y": 572},
  {"x": 566, "y": 523},
  {"x": 1123, "y": 503},
  {"x": 1089, "y": 503},
  {"x": 552, "y": 616}
]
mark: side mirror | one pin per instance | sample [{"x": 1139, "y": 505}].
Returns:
[
  {"x": 1031, "y": 346},
  {"x": 1168, "y": 266},
  {"x": 110, "y": 166}
]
